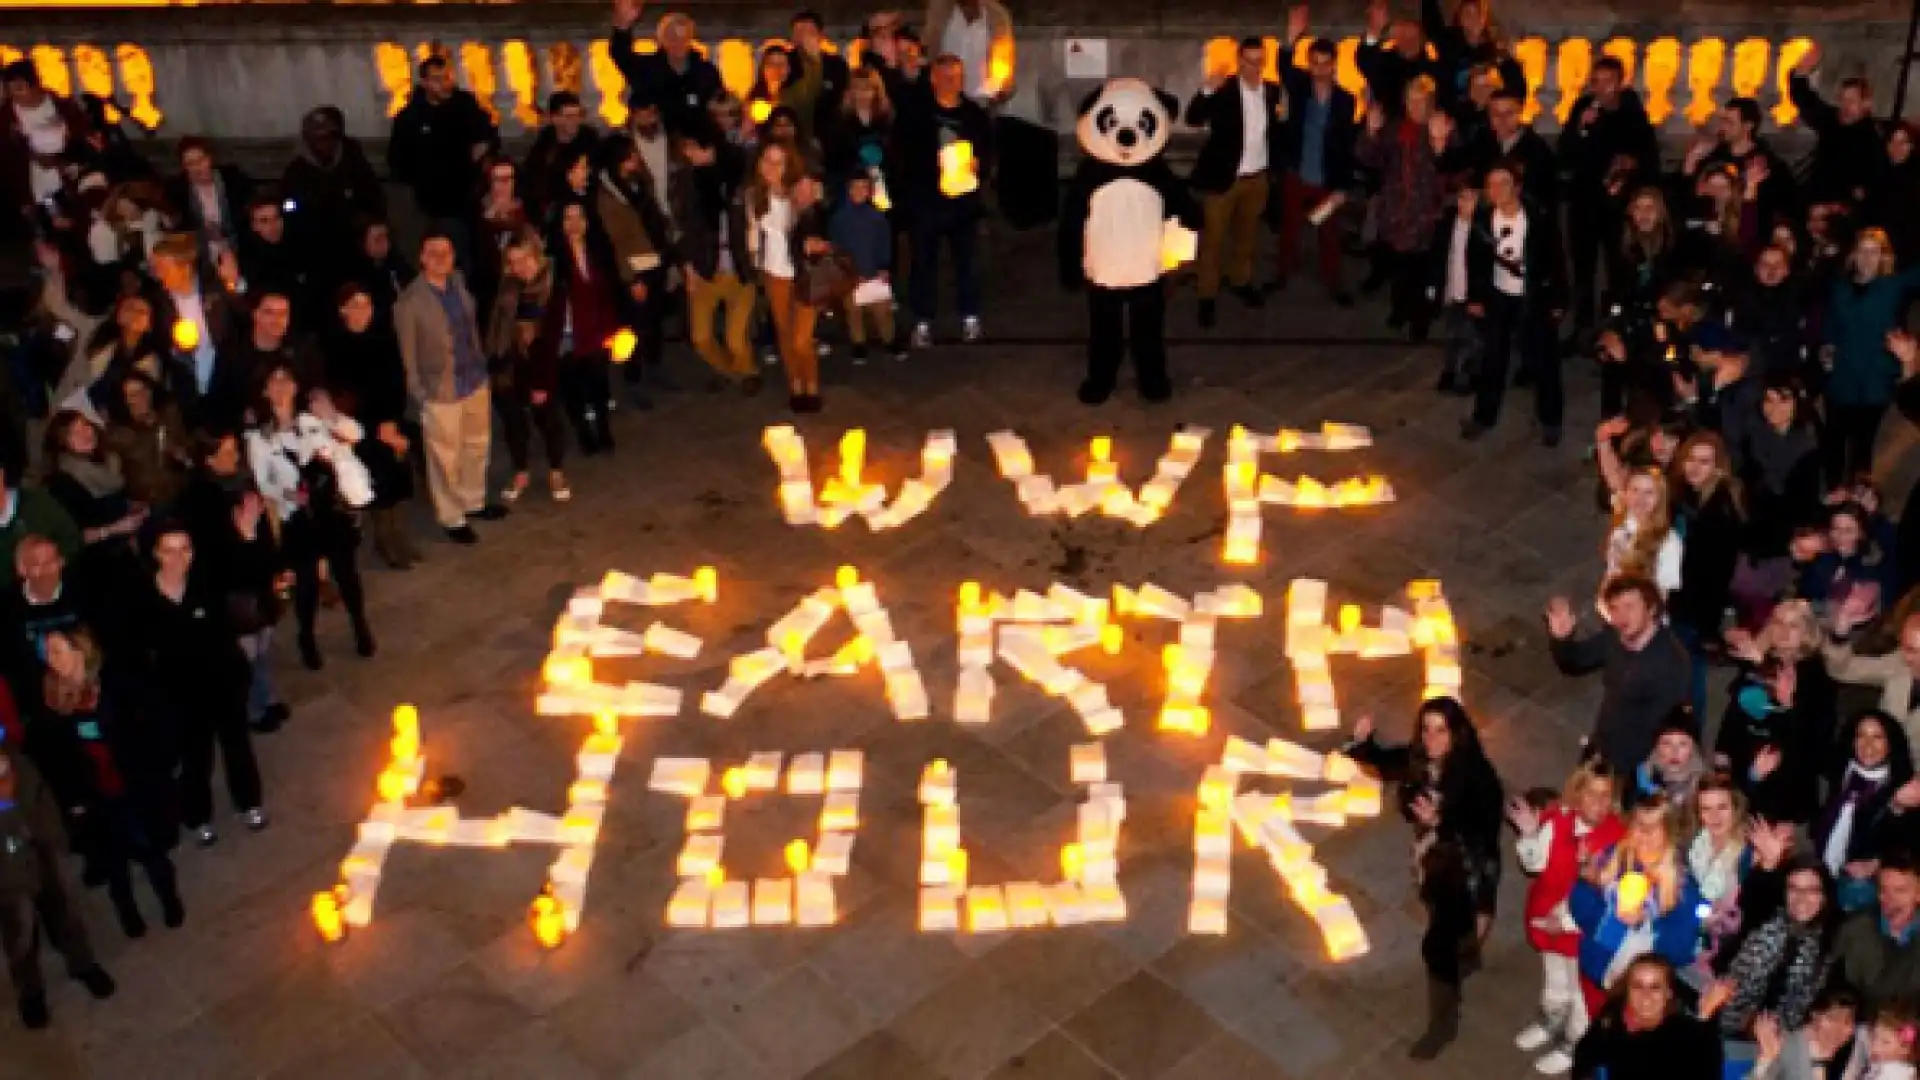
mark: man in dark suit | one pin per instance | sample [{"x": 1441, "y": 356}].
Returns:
[
  {"x": 1242, "y": 114},
  {"x": 1316, "y": 157},
  {"x": 1506, "y": 138}
]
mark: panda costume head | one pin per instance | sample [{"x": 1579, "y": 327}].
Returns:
[{"x": 1126, "y": 123}]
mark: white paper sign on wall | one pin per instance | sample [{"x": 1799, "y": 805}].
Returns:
[{"x": 1086, "y": 58}]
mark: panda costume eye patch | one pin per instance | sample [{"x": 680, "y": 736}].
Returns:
[
  {"x": 1104, "y": 121},
  {"x": 1149, "y": 123}
]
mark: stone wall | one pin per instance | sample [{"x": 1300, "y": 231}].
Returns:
[{"x": 246, "y": 72}]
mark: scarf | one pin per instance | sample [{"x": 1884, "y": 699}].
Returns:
[
  {"x": 1856, "y": 786},
  {"x": 1780, "y": 966},
  {"x": 100, "y": 477},
  {"x": 1716, "y": 873}
]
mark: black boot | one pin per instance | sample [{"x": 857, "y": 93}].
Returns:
[
  {"x": 363, "y": 642},
  {"x": 97, "y": 981},
  {"x": 310, "y": 651},
  {"x": 130, "y": 921},
  {"x": 172, "y": 911},
  {"x": 33, "y": 1010},
  {"x": 1443, "y": 1021}
]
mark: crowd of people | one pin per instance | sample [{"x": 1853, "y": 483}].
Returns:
[{"x": 237, "y": 382}]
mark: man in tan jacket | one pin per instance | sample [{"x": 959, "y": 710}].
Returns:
[
  {"x": 447, "y": 382},
  {"x": 1894, "y": 673}
]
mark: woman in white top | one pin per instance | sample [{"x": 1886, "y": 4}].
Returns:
[
  {"x": 1642, "y": 540},
  {"x": 301, "y": 454},
  {"x": 783, "y": 228}
]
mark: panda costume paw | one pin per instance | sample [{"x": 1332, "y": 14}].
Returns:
[{"x": 1122, "y": 205}]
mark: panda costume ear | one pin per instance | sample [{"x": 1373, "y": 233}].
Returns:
[
  {"x": 1169, "y": 103},
  {"x": 1086, "y": 103}
]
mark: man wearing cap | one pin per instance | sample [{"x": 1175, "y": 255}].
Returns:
[{"x": 675, "y": 77}]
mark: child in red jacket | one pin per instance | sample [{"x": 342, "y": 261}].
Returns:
[{"x": 1557, "y": 838}]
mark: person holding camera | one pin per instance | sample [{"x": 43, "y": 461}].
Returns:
[
  {"x": 1516, "y": 293},
  {"x": 1451, "y": 795}
]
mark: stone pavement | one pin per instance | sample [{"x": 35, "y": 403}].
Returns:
[{"x": 449, "y": 981}]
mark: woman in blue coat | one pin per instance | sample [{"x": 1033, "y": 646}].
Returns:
[{"x": 1863, "y": 305}]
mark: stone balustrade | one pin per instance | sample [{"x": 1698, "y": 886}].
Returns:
[{"x": 249, "y": 71}]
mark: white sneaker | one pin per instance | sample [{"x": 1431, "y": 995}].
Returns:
[
  {"x": 770, "y": 359},
  {"x": 823, "y": 349},
  {"x": 922, "y": 336},
  {"x": 970, "y": 329},
  {"x": 1557, "y": 1061},
  {"x": 1535, "y": 1037}
]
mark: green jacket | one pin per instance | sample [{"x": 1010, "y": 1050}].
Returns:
[
  {"x": 37, "y": 513},
  {"x": 1878, "y": 967}
]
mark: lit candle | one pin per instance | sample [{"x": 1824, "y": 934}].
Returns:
[
  {"x": 969, "y": 596},
  {"x": 621, "y": 344},
  {"x": 606, "y": 722},
  {"x": 327, "y": 918},
  {"x": 957, "y": 173},
  {"x": 846, "y": 577},
  {"x": 392, "y": 786},
  {"x": 1102, "y": 447},
  {"x": 760, "y": 109},
  {"x": 549, "y": 921},
  {"x": 1111, "y": 638},
  {"x": 1630, "y": 894},
  {"x": 734, "y": 783},
  {"x": 1349, "y": 618},
  {"x": 406, "y": 733},
  {"x": 186, "y": 335},
  {"x": 706, "y": 582},
  {"x": 799, "y": 857},
  {"x": 853, "y": 456},
  {"x": 1073, "y": 859},
  {"x": 957, "y": 867}
]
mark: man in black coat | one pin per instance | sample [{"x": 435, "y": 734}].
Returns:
[
  {"x": 808, "y": 33},
  {"x": 562, "y": 139},
  {"x": 1851, "y": 155},
  {"x": 330, "y": 186},
  {"x": 1516, "y": 293},
  {"x": 1609, "y": 147},
  {"x": 439, "y": 140},
  {"x": 1737, "y": 142},
  {"x": 675, "y": 77},
  {"x": 1242, "y": 114},
  {"x": 1507, "y": 139}
]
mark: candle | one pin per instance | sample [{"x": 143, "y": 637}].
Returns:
[
  {"x": 760, "y": 109},
  {"x": 853, "y": 456},
  {"x": 327, "y": 918},
  {"x": 799, "y": 857},
  {"x": 969, "y": 596},
  {"x": 846, "y": 577},
  {"x": 1112, "y": 636},
  {"x": 392, "y": 786},
  {"x": 706, "y": 582},
  {"x": 186, "y": 335},
  {"x": 1630, "y": 894},
  {"x": 549, "y": 921},
  {"x": 621, "y": 344},
  {"x": 734, "y": 783},
  {"x": 606, "y": 722},
  {"x": 406, "y": 733},
  {"x": 957, "y": 170},
  {"x": 1349, "y": 618},
  {"x": 1102, "y": 447},
  {"x": 1073, "y": 860}
]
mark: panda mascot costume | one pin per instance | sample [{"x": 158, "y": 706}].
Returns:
[{"x": 1125, "y": 222}]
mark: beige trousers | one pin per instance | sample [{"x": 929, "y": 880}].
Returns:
[{"x": 458, "y": 434}]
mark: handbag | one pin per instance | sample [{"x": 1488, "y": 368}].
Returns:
[{"x": 826, "y": 280}]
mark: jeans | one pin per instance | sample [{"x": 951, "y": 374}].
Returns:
[
  {"x": 958, "y": 223},
  {"x": 1692, "y": 639},
  {"x": 261, "y": 690}
]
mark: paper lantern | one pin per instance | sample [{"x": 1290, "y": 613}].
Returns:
[
  {"x": 1630, "y": 894},
  {"x": 1178, "y": 245},
  {"x": 959, "y": 173},
  {"x": 327, "y": 918},
  {"x": 186, "y": 335}
]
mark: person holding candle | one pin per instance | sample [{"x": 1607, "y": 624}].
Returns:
[
  {"x": 978, "y": 33},
  {"x": 1450, "y": 793},
  {"x": 1636, "y": 901},
  {"x": 36, "y": 895},
  {"x": 580, "y": 318},
  {"x": 945, "y": 147},
  {"x": 1556, "y": 842}
]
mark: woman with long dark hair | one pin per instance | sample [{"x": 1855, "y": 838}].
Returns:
[
  {"x": 301, "y": 453},
  {"x": 368, "y": 381},
  {"x": 581, "y": 317},
  {"x": 201, "y": 674},
  {"x": 1781, "y": 960},
  {"x": 1643, "y": 1031},
  {"x": 1450, "y": 793},
  {"x": 1850, "y": 831},
  {"x": 1781, "y": 471},
  {"x": 109, "y": 758},
  {"x": 234, "y": 541}
]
